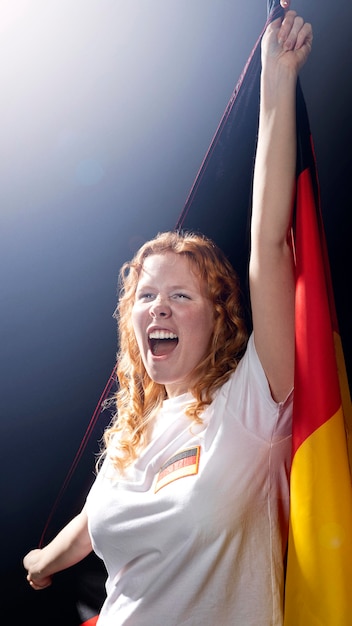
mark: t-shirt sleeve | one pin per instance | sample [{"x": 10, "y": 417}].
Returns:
[{"x": 249, "y": 391}]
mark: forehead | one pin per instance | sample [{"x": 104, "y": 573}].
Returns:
[{"x": 168, "y": 266}]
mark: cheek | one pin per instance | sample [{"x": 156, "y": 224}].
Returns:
[
  {"x": 205, "y": 328},
  {"x": 136, "y": 318}
]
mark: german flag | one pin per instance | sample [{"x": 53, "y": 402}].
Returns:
[
  {"x": 319, "y": 563},
  {"x": 182, "y": 464}
]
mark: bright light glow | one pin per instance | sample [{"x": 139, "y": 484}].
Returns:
[
  {"x": 11, "y": 11},
  {"x": 109, "y": 81}
]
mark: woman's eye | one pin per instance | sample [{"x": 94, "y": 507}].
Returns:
[
  {"x": 146, "y": 296},
  {"x": 180, "y": 296}
]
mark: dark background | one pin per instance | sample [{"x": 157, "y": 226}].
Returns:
[{"x": 106, "y": 111}]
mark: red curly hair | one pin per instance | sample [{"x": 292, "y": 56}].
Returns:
[{"x": 139, "y": 397}]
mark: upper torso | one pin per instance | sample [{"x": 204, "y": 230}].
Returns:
[{"x": 195, "y": 532}]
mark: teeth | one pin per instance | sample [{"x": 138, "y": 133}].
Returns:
[{"x": 162, "y": 334}]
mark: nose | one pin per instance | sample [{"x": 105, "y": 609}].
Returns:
[{"x": 160, "y": 308}]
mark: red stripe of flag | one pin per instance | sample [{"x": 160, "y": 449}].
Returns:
[
  {"x": 91, "y": 622},
  {"x": 317, "y": 395}
]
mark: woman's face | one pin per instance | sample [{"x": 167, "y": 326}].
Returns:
[{"x": 172, "y": 319}]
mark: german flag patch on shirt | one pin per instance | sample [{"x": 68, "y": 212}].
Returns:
[{"x": 184, "y": 463}]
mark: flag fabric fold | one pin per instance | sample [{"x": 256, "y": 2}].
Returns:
[{"x": 319, "y": 563}]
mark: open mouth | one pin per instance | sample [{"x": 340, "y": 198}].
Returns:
[{"x": 162, "y": 342}]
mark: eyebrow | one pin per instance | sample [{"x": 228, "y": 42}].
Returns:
[{"x": 143, "y": 285}]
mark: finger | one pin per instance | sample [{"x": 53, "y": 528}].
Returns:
[
  {"x": 286, "y": 26},
  {"x": 274, "y": 27},
  {"x": 304, "y": 37},
  {"x": 290, "y": 29},
  {"x": 42, "y": 585},
  {"x": 300, "y": 34}
]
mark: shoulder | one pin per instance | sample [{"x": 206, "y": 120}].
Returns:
[{"x": 246, "y": 397}]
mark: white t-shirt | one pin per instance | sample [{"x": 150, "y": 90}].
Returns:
[{"x": 196, "y": 531}]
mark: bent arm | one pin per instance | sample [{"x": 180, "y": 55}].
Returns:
[
  {"x": 70, "y": 546},
  {"x": 285, "y": 47}
]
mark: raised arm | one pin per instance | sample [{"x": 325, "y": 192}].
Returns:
[
  {"x": 285, "y": 47},
  {"x": 69, "y": 547}
]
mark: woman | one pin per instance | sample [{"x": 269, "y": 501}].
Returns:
[{"x": 189, "y": 510}]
